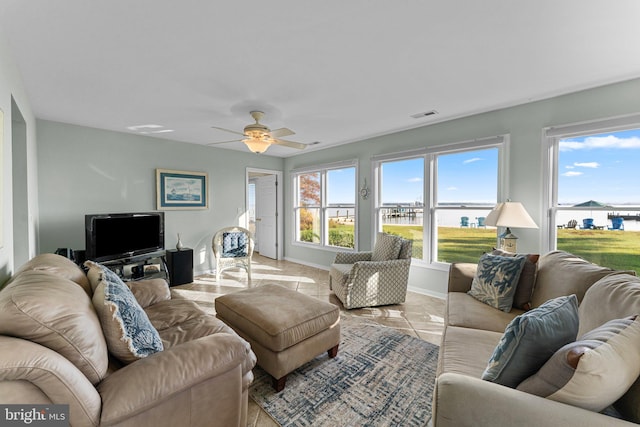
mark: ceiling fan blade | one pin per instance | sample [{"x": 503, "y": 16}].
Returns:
[
  {"x": 227, "y": 130},
  {"x": 290, "y": 144},
  {"x": 277, "y": 133},
  {"x": 224, "y": 142}
]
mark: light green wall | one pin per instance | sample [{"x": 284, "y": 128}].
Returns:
[
  {"x": 524, "y": 123},
  {"x": 11, "y": 86},
  {"x": 84, "y": 170}
]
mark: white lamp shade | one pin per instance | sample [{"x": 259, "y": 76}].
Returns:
[
  {"x": 510, "y": 214},
  {"x": 492, "y": 218}
]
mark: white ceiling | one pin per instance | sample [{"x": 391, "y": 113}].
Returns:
[{"x": 334, "y": 71}]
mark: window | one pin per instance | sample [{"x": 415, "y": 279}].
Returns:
[
  {"x": 438, "y": 197},
  {"x": 325, "y": 205},
  {"x": 466, "y": 191},
  {"x": 594, "y": 198},
  {"x": 400, "y": 208},
  {"x": 251, "y": 214}
]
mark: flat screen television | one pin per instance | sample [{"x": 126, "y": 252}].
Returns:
[{"x": 123, "y": 235}]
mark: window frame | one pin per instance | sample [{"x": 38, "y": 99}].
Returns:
[
  {"x": 430, "y": 186},
  {"x": 323, "y": 206},
  {"x": 551, "y": 137}
]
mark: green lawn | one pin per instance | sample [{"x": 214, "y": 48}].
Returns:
[
  {"x": 619, "y": 250},
  {"x": 614, "y": 249}
]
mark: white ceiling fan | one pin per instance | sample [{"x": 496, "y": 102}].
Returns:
[{"x": 259, "y": 137}]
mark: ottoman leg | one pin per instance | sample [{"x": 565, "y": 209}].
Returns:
[
  {"x": 278, "y": 384},
  {"x": 333, "y": 351}
]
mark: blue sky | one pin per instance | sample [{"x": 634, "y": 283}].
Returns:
[
  {"x": 458, "y": 175},
  {"x": 598, "y": 167}
]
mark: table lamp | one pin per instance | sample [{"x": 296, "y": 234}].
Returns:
[{"x": 509, "y": 214}]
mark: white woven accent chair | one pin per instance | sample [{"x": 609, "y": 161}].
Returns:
[
  {"x": 372, "y": 278},
  {"x": 232, "y": 247}
]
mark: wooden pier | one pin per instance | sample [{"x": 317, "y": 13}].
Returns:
[{"x": 628, "y": 217}]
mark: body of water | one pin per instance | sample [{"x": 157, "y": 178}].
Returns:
[{"x": 452, "y": 218}]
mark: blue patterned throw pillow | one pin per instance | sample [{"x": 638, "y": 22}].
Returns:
[
  {"x": 531, "y": 339},
  {"x": 496, "y": 280},
  {"x": 234, "y": 244},
  {"x": 127, "y": 329}
]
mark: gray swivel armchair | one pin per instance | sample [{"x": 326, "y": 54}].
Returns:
[{"x": 378, "y": 277}]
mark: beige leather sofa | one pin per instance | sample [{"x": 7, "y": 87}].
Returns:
[
  {"x": 473, "y": 329},
  {"x": 53, "y": 351}
]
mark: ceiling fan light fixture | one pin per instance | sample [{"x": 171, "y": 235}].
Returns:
[{"x": 257, "y": 145}]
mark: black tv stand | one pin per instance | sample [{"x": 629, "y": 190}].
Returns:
[{"x": 140, "y": 267}]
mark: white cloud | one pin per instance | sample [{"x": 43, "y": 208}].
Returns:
[
  {"x": 452, "y": 188},
  {"x": 609, "y": 141},
  {"x": 572, "y": 173},
  {"x": 592, "y": 165},
  {"x": 416, "y": 179},
  {"x": 475, "y": 159},
  {"x": 570, "y": 167}
]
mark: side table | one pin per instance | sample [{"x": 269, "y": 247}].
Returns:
[{"x": 180, "y": 266}]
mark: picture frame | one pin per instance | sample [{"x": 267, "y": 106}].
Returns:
[{"x": 181, "y": 190}]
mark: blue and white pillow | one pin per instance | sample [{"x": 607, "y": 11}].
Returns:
[
  {"x": 127, "y": 329},
  {"x": 496, "y": 279},
  {"x": 531, "y": 339},
  {"x": 234, "y": 244}
]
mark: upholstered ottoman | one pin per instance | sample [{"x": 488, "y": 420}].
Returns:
[{"x": 285, "y": 328}]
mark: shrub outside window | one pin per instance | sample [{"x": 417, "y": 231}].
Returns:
[{"x": 325, "y": 205}]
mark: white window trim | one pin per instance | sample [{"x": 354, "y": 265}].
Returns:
[
  {"x": 502, "y": 142},
  {"x": 550, "y": 139},
  {"x": 323, "y": 168}
]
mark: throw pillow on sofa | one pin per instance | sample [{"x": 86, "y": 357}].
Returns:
[
  {"x": 531, "y": 339},
  {"x": 495, "y": 280},
  {"x": 129, "y": 333},
  {"x": 524, "y": 288},
  {"x": 593, "y": 372}
]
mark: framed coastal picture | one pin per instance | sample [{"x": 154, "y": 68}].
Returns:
[{"x": 181, "y": 190}]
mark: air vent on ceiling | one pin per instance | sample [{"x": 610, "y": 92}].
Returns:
[{"x": 424, "y": 114}]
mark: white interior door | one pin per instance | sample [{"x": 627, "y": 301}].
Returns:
[{"x": 267, "y": 215}]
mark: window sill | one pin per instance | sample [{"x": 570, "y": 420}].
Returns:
[
  {"x": 321, "y": 247},
  {"x": 438, "y": 266}
]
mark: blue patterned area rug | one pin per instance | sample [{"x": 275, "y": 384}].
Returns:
[{"x": 381, "y": 377}]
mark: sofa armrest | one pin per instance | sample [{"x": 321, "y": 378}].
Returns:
[
  {"x": 147, "y": 384},
  {"x": 352, "y": 257},
  {"x": 460, "y": 276},
  {"x": 150, "y": 291},
  {"x": 462, "y": 401},
  {"x": 28, "y": 371}
]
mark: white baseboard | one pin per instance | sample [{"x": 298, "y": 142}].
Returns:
[
  {"x": 308, "y": 264},
  {"x": 426, "y": 292}
]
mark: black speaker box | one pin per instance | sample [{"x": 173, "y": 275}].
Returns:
[{"x": 180, "y": 266}]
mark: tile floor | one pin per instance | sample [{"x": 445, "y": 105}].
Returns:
[{"x": 420, "y": 316}]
